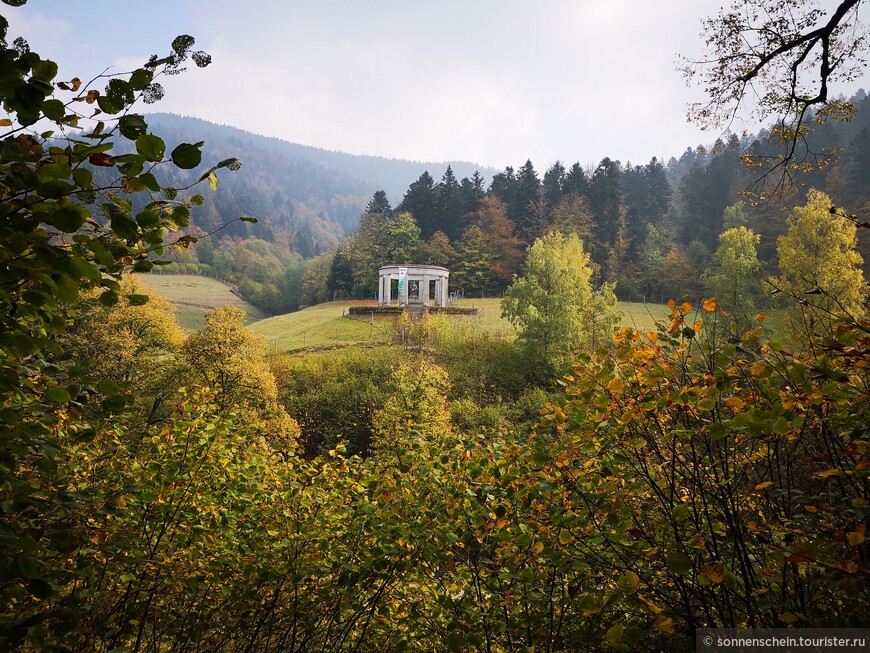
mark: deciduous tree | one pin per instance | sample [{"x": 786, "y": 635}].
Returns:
[
  {"x": 820, "y": 269},
  {"x": 553, "y": 305},
  {"x": 732, "y": 279}
]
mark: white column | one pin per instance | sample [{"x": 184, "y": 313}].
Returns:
[{"x": 424, "y": 290}]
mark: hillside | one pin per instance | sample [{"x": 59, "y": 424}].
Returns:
[
  {"x": 359, "y": 172},
  {"x": 193, "y": 296}
]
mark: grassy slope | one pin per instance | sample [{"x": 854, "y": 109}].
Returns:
[
  {"x": 193, "y": 296},
  {"x": 323, "y": 325}
]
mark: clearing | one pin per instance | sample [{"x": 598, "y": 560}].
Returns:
[{"x": 193, "y": 296}]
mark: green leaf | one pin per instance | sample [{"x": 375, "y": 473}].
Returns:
[
  {"x": 27, "y": 566},
  {"x": 138, "y": 300},
  {"x": 454, "y": 641},
  {"x": 83, "y": 177},
  {"x": 123, "y": 225},
  {"x": 246, "y": 218},
  {"x": 232, "y": 163},
  {"x": 182, "y": 43},
  {"x": 108, "y": 298},
  {"x": 150, "y": 182},
  {"x": 678, "y": 562},
  {"x": 179, "y": 218},
  {"x": 140, "y": 79},
  {"x": 151, "y": 147},
  {"x": 132, "y": 126},
  {"x": 53, "y": 109},
  {"x": 628, "y": 583},
  {"x": 45, "y": 70},
  {"x": 57, "y": 394},
  {"x": 119, "y": 94},
  {"x": 614, "y": 634},
  {"x": 68, "y": 219},
  {"x": 680, "y": 512},
  {"x": 107, "y": 387},
  {"x": 187, "y": 155},
  {"x": 40, "y": 588},
  {"x": 197, "y": 200}
]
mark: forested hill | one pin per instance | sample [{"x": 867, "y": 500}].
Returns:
[{"x": 369, "y": 172}]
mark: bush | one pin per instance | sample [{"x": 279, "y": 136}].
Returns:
[{"x": 334, "y": 395}]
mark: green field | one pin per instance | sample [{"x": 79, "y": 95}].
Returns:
[
  {"x": 322, "y": 325},
  {"x": 634, "y": 314},
  {"x": 193, "y": 296},
  {"x": 328, "y": 324}
]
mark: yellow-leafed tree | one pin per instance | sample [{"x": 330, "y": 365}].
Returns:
[{"x": 820, "y": 267}]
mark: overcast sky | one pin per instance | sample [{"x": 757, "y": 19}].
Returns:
[{"x": 494, "y": 82}]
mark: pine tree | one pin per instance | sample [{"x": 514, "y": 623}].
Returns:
[
  {"x": 380, "y": 204},
  {"x": 419, "y": 201},
  {"x": 575, "y": 182},
  {"x": 605, "y": 196},
  {"x": 554, "y": 181},
  {"x": 504, "y": 186},
  {"x": 524, "y": 210},
  {"x": 448, "y": 206}
]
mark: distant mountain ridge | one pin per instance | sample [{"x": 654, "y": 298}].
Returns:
[{"x": 374, "y": 172}]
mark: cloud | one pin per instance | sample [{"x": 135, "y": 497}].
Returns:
[{"x": 495, "y": 82}]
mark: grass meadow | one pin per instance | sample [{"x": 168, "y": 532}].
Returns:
[
  {"x": 328, "y": 325},
  {"x": 193, "y": 296}
]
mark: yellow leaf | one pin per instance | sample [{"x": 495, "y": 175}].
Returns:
[
  {"x": 537, "y": 547},
  {"x": 615, "y": 385},
  {"x": 213, "y": 180},
  {"x": 665, "y": 624},
  {"x": 501, "y": 523},
  {"x": 735, "y": 403},
  {"x": 855, "y": 538},
  {"x": 686, "y": 307},
  {"x": 761, "y": 317},
  {"x": 5, "y": 122},
  {"x": 710, "y": 304},
  {"x": 628, "y": 583},
  {"x": 829, "y": 473},
  {"x": 764, "y": 486},
  {"x": 715, "y": 571},
  {"x": 653, "y": 336},
  {"x": 788, "y": 618},
  {"x": 757, "y": 369}
]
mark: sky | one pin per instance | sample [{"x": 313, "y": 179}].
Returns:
[{"x": 493, "y": 82}]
